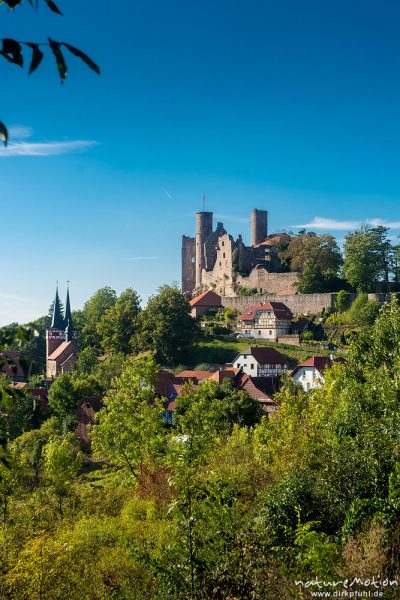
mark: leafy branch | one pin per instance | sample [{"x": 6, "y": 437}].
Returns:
[{"x": 12, "y": 51}]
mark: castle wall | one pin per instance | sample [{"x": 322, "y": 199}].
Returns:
[
  {"x": 204, "y": 224},
  {"x": 188, "y": 264},
  {"x": 265, "y": 282},
  {"x": 259, "y": 226},
  {"x": 220, "y": 278},
  {"x": 299, "y": 304}
]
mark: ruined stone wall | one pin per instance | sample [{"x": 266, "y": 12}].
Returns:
[
  {"x": 273, "y": 283},
  {"x": 299, "y": 304},
  {"x": 220, "y": 278},
  {"x": 188, "y": 264}
]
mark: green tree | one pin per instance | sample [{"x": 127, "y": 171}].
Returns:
[
  {"x": 166, "y": 327},
  {"x": 62, "y": 461},
  {"x": 17, "y": 410},
  {"x": 87, "y": 360},
  {"x": 129, "y": 429},
  {"x": 68, "y": 390},
  {"x": 368, "y": 257},
  {"x": 117, "y": 325},
  {"x": 215, "y": 408},
  {"x": 322, "y": 251},
  {"x": 93, "y": 311}
]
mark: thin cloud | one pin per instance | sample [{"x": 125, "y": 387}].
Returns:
[
  {"x": 143, "y": 258},
  {"x": 45, "y": 148},
  {"x": 383, "y": 223},
  {"x": 336, "y": 225},
  {"x": 333, "y": 224},
  {"x": 13, "y": 298},
  {"x": 231, "y": 218},
  {"x": 166, "y": 192},
  {"x": 20, "y": 132}
]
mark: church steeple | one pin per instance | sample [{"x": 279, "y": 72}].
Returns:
[
  {"x": 57, "y": 321},
  {"x": 68, "y": 316}
]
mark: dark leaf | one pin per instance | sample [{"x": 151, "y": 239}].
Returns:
[
  {"x": 3, "y": 133},
  {"x": 53, "y": 7},
  {"x": 12, "y": 51},
  {"x": 12, "y": 3},
  {"x": 37, "y": 56},
  {"x": 83, "y": 57},
  {"x": 60, "y": 61}
]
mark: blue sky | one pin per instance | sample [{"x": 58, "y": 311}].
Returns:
[{"x": 287, "y": 106}]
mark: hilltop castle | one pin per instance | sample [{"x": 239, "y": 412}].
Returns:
[
  {"x": 61, "y": 340},
  {"x": 214, "y": 260}
]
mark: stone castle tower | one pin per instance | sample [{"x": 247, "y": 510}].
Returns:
[
  {"x": 213, "y": 260},
  {"x": 61, "y": 340}
]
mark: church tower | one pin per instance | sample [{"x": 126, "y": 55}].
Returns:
[{"x": 61, "y": 340}]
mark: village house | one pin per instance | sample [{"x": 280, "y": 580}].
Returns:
[
  {"x": 266, "y": 321},
  {"x": 310, "y": 373},
  {"x": 202, "y": 303},
  {"x": 261, "y": 362}
]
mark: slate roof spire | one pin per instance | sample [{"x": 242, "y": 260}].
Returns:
[
  {"x": 57, "y": 321},
  {"x": 68, "y": 315}
]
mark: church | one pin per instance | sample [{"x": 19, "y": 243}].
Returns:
[{"x": 61, "y": 340}]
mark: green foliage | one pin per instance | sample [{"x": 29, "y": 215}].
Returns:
[
  {"x": 221, "y": 505},
  {"x": 17, "y": 411},
  {"x": 129, "y": 428},
  {"x": 87, "y": 360},
  {"x": 215, "y": 409},
  {"x": 341, "y": 303},
  {"x": 68, "y": 390},
  {"x": 62, "y": 461},
  {"x": 165, "y": 327},
  {"x": 368, "y": 257},
  {"x": 93, "y": 311},
  {"x": 118, "y": 323},
  {"x": 319, "y": 254}
]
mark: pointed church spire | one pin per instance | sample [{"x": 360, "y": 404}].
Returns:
[
  {"x": 57, "y": 321},
  {"x": 68, "y": 315}
]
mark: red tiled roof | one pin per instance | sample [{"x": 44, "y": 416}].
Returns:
[
  {"x": 279, "y": 309},
  {"x": 318, "y": 362},
  {"x": 13, "y": 367},
  {"x": 207, "y": 299},
  {"x": 272, "y": 240},
  {"x": 59, "y": 350},
  {"x": 198, "y": 375},
  {"x": 253, "y": 387},
  {"x": 224, "y": 373},
  {"x": 265, "y": 355}
]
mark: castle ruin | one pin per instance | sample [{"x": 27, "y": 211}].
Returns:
[{"x": 214, "y": 260}]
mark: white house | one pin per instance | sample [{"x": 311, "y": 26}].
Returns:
[
  {"x": 265, "y": 321},
  {"x": 261, "y": 362},
  {"x": 310, "y": 373}
]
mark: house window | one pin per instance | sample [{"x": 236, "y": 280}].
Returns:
[
  {"x": 223, "y": 243},
  {"x": 252, "y": 366},
  {"x": 259, "y": 333},
  {"x": 270, "y": 332},
  {"x": 223, "y": 255},
  {"x": 245, "y": 366},
  {"x": 304, "y": 375}
]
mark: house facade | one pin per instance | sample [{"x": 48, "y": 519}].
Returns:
[
  {"x": 266, "y": 321},
  {"x": 310, "y": 373},
  {"x": 261, "y": 362}
]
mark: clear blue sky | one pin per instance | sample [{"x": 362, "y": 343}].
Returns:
[{"x": 288, "y": 106}]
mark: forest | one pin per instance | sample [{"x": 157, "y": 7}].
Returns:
[{"x": 225, "y": 503}]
